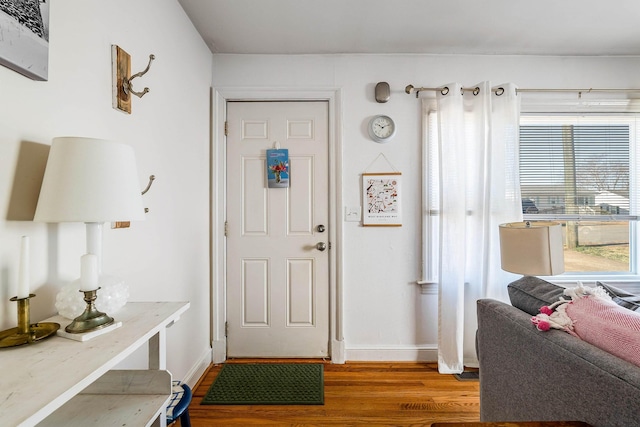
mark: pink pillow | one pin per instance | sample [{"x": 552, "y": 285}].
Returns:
[{"x": 608, "y": 326}]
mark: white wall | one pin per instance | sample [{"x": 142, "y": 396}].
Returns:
[
  {"x": 164, "y": 258},
  {"x": 386, "y": 316}
]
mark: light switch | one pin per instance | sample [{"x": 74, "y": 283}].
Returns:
[{"x": 352, "y": 213}]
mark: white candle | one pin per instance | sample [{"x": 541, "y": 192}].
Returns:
[
  {"x": 23, "y": 269},
  {"x": 89, "y": 272}
]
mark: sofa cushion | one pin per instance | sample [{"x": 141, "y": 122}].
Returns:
[
  {"x": 622, "y": 298},
  {"x": 530, "y": 293}
]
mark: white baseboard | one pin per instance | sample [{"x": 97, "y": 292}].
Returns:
[
  {"x": 219, "y": 351},
  {"x": 337, "y": 352},
  {"x": 392, "y": 354},
  {"x": 340, "y": 354},
  {"x": 198, "y": 369}
]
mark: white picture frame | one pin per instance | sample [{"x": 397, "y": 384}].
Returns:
[{"x": 24, "y": 45}]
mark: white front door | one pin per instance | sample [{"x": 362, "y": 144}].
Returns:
[{"x": 277, "y": 269}]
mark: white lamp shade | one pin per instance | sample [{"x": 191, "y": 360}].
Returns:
[
  {"x": 532, "y": 248},
  {"x": 90, "y": 180}
]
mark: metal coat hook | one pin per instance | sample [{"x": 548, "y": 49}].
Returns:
[
  {"x": 126, "y": 83},
  {"x": 123, "y": 79},
  {"x": 127, "y": 224},
  {"x": 151, "y": 178}
]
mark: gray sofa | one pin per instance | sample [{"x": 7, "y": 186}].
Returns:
[{"x": 528, "y": 375}]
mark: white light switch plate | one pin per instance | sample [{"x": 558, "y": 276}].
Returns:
[{"x": 352, "y": 213}]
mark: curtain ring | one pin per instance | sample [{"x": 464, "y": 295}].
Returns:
[
  {"x": 500, "y": 91},
  {"x": 444, "y": 91},
  {"x": 476, "y": 91}
]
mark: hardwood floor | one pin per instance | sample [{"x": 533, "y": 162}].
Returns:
[{"x": 356, "y": 393}]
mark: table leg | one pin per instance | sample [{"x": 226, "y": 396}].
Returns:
[{"x": 158, "y": 350}]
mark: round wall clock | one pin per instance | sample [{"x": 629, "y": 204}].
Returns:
[{"x": 382, "y": 128}]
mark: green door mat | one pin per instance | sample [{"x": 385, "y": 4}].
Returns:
[{"x": 267, "y": 384}]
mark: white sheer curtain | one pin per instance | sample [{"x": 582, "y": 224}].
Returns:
[{"x": 475, "y": 188}]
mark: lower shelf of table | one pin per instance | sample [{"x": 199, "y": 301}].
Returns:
[{"x": 122, "y": 398}]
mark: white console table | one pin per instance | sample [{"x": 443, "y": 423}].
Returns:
[{"x": 59, "y": 381}]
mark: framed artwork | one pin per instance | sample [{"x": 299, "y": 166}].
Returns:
[
  {"x": 278, "y": 168},
  {"x": 381, "y": 193},
  {"x": 24, "y": 37}
]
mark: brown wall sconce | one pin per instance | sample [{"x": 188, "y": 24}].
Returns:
[{"x": 122, "y": 78}]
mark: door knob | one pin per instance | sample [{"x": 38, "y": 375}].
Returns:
[
  {"x": 320, "y": 228},
  {"x": 321, "y": 246}
]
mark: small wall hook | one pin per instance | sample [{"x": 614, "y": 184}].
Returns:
[
  {"x": 151, "y": 178},
  {"x": 128, "y": 87}
]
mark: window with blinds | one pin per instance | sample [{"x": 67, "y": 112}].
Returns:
[{"x": 579, "y": 171}]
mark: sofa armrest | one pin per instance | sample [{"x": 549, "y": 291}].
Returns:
[{"x": 528, "y": 375}]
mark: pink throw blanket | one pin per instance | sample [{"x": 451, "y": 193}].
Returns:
[{"x": 597, "y": 321}]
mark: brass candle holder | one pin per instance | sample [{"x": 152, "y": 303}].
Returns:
[
  {"x": 91, "y": 319},
  {"x": 26, "y": 332}
]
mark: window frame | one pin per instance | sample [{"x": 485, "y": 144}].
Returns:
[{"x": 633, "y": 121}]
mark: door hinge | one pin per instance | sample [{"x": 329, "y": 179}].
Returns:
[
  {"x": 226, "y": 329},
  {"x": 226, "y": 128},
  {"x": 329, "y": 245},
  {"x": 226, "y": 229}
]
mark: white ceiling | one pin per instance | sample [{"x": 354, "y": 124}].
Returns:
[{"x": 529, "y": 27}]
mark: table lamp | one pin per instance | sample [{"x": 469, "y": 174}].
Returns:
[
  {"x": 92, "y": 181},
  {"x": 532, "y": 248}
]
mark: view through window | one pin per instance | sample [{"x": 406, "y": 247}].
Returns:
[{"x": 578, "y": 171}]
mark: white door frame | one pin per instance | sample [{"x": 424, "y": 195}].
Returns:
[{"x": 219, "y": 98}]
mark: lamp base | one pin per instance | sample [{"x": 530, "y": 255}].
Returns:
[
  {"x": 91, "y": 319},
  {"x": 114, "y": 293}
]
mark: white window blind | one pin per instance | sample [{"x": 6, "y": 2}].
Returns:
[{"x": 576, "y": 170}]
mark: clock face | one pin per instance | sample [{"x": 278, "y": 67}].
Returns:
[{"x": 382, "y": 128}]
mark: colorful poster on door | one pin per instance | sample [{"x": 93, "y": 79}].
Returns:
[{"x": 278, "y": 168}]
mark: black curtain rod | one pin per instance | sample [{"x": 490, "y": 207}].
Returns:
[{"x": 500, "y": 90}]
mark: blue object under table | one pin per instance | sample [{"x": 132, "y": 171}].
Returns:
[{"x": 179, "y": 404}]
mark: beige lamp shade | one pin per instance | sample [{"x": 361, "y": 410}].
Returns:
[
  {"x": 90, "y": 180},
  {"x": 532, "y": 248}
]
